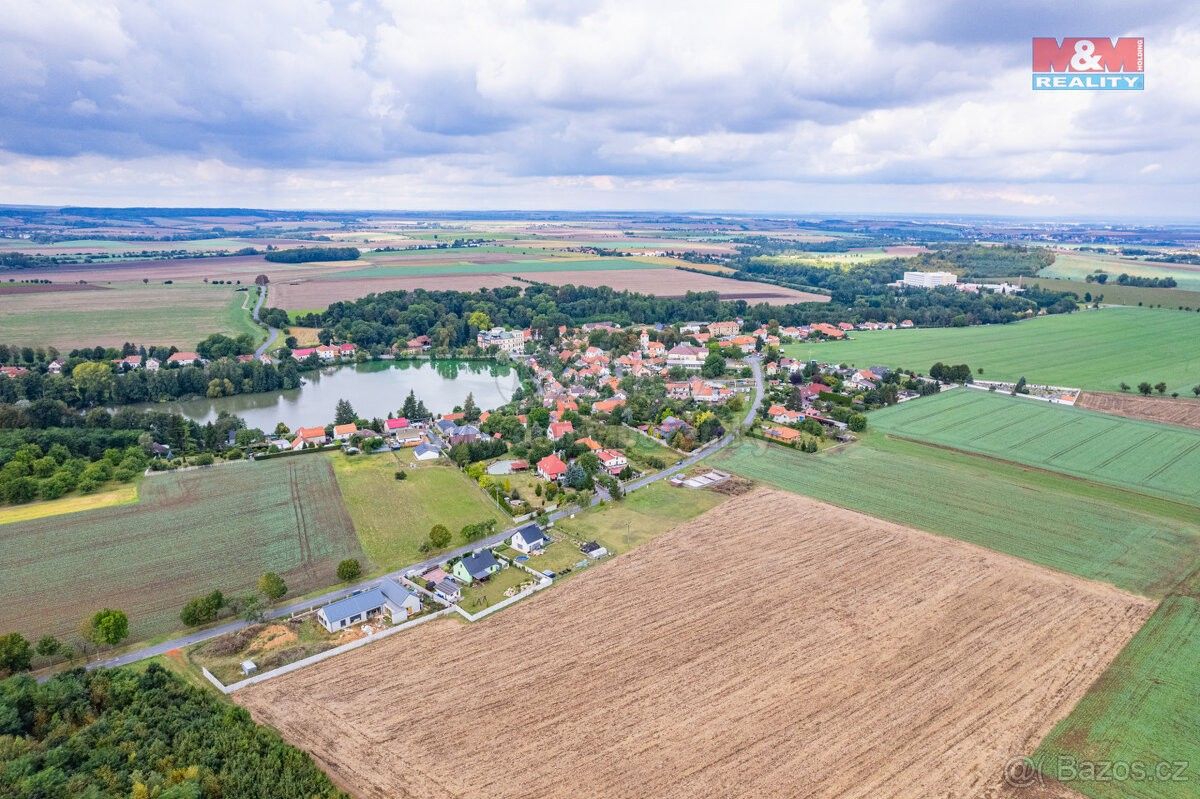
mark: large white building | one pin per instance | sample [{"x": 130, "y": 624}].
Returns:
[
  {"x": 929, "y": 280},
  {"x": 511, "y": 341}
]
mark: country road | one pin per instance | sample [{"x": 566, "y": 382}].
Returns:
[
  {"x": 272, "y": 332},
  {"x": 313, "y": 602}
]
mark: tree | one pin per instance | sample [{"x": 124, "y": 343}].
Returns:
[
  {"x": 1145, "y": 388},
  {"x": 94, "y": 381},
  {"x": 577, "y": 478},
  {"x": 15, "y": 654},
  {"x": 272, "y": 586},
  {"x": 1020, "y": 388},
  {"x": 349, "y": 569},
  {"x": 479, "y": 320},
  {"x": 343, "y": 412},
  {"x": 470, "y": 409},
  {"x": 1196, "y": 390},
  {"x": 1125, "y": 386},
  {"x": 1160, "y": 387},
  {"x": 439, "y": 536},
  {"x": 714, "y": 365},
  {"x": 202, "y": 610},
  {"x": 48, "y": 646},
  {"x": 261, "y": 280},
  {"x": 857, "y": 422},
  {"x": 409, "y": 410},
  {"x": 108, "y": 627}
]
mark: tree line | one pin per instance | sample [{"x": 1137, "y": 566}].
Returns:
[{"x": 122, "y": 733}]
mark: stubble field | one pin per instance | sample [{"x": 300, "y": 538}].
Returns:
[{"x": 775, "y": 646}]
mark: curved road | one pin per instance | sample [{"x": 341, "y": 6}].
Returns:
[
  {"x": 492, "y": 540},
  {"x": 272, "y": 332}
]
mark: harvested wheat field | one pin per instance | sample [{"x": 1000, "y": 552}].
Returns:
[
  {"x": 1184, "y": 412},
  {"x": 775, "y": 646}
]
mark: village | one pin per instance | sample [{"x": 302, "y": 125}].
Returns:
[{"x": 602, "y": 409}]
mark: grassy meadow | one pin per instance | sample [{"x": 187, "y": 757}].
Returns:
[
  {"x": 1136, "y": 542},
  {"x": 638, "y": 518},
  {"x": 1096, "y": 349},
  {"x": 393, "y": 517},
  {"x": 1116, "y": 294},
  {"x": 1141, "y": 456},
  {"x": 1078, "y": 265}
]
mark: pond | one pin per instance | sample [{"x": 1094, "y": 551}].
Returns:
[{"x": 375, "y": 389}]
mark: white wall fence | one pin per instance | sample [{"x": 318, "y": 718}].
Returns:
[
  {"x": 541, "y": 582},
  {"x": 317, "y": 658}
]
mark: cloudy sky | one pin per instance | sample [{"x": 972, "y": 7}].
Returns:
[{"x": 900, "y": 106}]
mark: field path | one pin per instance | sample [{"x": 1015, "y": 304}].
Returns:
[{"x": 272, "y": 332}]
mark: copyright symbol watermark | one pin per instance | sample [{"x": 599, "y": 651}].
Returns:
[{"x": 1019, "y": 772}]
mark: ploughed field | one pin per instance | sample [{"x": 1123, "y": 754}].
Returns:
[
  {"x": 1184, "y": 412},
  {"x": 191, "y": 532},
  {"x": 1140, "y": 456},
  {"x": 775, "y": 646},
  {"x": 1134, "y": 541}
]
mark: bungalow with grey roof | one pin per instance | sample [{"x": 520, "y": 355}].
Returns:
[{"x": 388, "y": 597}]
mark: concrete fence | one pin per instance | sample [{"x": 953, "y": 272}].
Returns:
[{"x": 317, "y": 658}]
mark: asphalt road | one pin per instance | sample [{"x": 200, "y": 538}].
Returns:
[
  {"x": 313, "y": 602},
  {"x": 272, "y": 332}
]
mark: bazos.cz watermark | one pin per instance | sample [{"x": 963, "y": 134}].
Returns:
[{"x": 1023, "y": 772}]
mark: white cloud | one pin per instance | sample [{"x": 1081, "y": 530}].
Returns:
[{"x": 615, "y": 102}]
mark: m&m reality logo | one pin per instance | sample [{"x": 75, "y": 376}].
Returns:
[{"x": 1094, "y": 63}]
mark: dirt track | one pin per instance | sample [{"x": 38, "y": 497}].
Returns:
[
  {"x": 1184, "y": 412},
  {"x": 776, "y": 646}
]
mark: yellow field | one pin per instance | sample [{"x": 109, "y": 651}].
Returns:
[{"x": 121, "y": 495}]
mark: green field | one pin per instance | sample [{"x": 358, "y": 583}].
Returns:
[
  {"x": 1090, "y": 349},
  {"x": 1116, "y": 294},
  {"x": 1078, "y": 265},
  {"x": 467, "y": 268},
  {"x": 392, "y": 517},
  {"x": 1142, "y": 710},
  {"x": 191, "y": 532},
  {"x": 1133, "y": 541},
  {"x": 181, "y": 314},
  {"x": 1141, "y": 456}
]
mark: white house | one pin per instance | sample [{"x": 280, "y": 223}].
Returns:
[
  {"x": 530, "y": 538},
  {"x": 388, "y": 597},
  {"x": 426, "y": 452},
  {"x": 612, "y": 460}
]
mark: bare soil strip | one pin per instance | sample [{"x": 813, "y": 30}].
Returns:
[
  {"x": 1183, "y": 412},
  {"x": 776, "y": 646}
]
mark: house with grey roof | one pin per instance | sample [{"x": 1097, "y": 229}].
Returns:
[
  {"x": 389, "y": 597},
  {"x": 530, "y": 538},
  {"x": 478, "y": 566}
]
